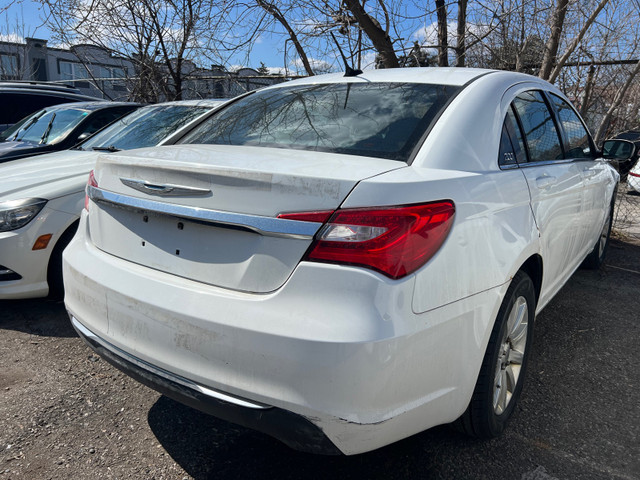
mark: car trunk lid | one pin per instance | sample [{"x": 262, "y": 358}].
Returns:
[{"x": 209, "y": 213}]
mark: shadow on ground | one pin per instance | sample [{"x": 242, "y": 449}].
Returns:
[
  {"x": 41, "y": 317},
  {"x": 206, "y": 447}
]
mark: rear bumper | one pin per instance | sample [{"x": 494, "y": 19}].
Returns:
[
  {"x": 337, "y": 348},
  {"x": 295, "y": 431}
]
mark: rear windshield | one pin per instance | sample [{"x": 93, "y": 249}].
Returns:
[
  {"x": 145, "y": 127},
  {"x": 384, "y": 120}
]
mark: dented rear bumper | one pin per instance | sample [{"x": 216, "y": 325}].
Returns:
[
  {"x": 294, "y": 430},
  {"x": 336, "y": 357}
]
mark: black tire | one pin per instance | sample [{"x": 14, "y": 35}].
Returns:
[
  {"x": 595, "y": 259},
  {"x": 487, "y": 415},
  {"x": 54, "y": 270}
]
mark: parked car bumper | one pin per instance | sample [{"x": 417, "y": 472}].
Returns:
[
  {"x": 338, "y": 349},
  {"x": 26, "y": 269},
  {"x": 633, "y": 180}
]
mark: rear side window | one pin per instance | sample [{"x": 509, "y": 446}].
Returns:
[
  {"x": 385, "y": 120},
  {"x": 577, "y": 138},
  {"x": 512, "y": 148},
  {"x": 101, "y": 118},
  {"x": 540, "y": 133},
  {"x": 145, "y": 127}
]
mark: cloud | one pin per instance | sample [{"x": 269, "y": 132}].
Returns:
[
  {"x": 11, "y": 37},
  {"x": 369, "y": 61},
  {"x": 276, "y": 70},
  {"x": 317, "y": 65}
]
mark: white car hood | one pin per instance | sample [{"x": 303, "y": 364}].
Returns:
[{"x": 46, "y": 176}]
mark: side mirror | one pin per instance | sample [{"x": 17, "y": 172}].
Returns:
[{"x": 618, "y": 149}]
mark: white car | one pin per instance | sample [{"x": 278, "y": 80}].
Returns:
[
  {"x": 41, "y": 197},
  {"x": 344, "y": 261},
  {"x": 633, "y": 178}
]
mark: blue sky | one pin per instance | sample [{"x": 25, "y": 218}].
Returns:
[{"x": 25, "y": 18}]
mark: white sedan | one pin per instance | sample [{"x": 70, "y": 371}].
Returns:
[
  {"x": 41, "y": 197},
  {"x": 633, "y": 178},
  {"x": 344, "y": 261}
]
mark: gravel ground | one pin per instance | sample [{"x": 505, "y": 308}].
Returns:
[{"x": 65, "y": 413}]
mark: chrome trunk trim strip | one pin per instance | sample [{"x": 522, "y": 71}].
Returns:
[{"x": 268, "y": 226}]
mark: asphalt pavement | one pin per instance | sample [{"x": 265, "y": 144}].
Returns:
[{"x": 65, "y": 413}]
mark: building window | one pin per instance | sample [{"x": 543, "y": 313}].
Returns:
[
  {"x": 72, "y": 71},
  {"x": 9, "y": 68},
  {"x": 100, "y": 73}
]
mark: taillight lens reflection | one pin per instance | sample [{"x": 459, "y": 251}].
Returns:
[
  {"x": 91, "y": 182},
  {"x": 395, "y": 241}
]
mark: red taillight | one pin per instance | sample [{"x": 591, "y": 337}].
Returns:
[
  {"x": 395, "y": 241},
  {"x": 91, "y": 182},
  {"x": 634, "y": 174}
]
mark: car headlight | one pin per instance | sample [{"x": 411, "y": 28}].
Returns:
[{"x": 15, "y": 214}]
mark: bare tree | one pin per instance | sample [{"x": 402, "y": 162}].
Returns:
[
  {"x": 553, "y": 42},
  {"x": 461, "y": 48},
  {"x": 617, "y": 101},
  {"x": 379, "y": 37},
  {"x": 443, "y": 43},
  {"x": 162, "y": 38},
  {"x": 274, "y": 11}
]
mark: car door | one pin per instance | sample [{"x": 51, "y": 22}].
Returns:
[
  {"x": 555, "y": 186},
  {"x": 597, "y": 181}
]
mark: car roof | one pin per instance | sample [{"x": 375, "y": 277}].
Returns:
[
  {"x": 454, "y": 76},
  {"x": 88, "y": 106},
  {"x": 631, "y": 135},
  {"x": 40, "y": 88},
  {"x": 205, "y": 102},
  {"x": 55, "y": 87}
]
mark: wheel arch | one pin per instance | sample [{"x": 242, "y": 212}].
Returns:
[
  {"x": 54, "y": 266},
  {"x": 534, "y": 268}
]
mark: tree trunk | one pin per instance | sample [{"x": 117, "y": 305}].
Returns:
[
  {"x": 587, "y": 91},
  {"x": 576, "y": 41},
  {"x": 379, "y": 38},
  {"x": 443, "y": 44},
  {"x": 461, "y": 49},
  {"x": 551, "y": 47},
  {"x": 277, "y": 14}
]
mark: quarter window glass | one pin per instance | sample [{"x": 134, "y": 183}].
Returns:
[
  {"x": 507, "y": 156},
  {"x": 540, "y": 132},
  {"x": 578, "y": 145},
  {"x": 515, "y": 134}
]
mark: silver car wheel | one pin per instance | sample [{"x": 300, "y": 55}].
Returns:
[{"x": 510, "y": 356}]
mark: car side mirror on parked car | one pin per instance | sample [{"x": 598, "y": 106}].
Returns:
[{"x": 618, "y": 149}]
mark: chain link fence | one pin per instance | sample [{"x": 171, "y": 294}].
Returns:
[{"x": 626, "y": 215}]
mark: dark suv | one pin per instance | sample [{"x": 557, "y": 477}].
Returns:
[{"x": 19, "y": 99}]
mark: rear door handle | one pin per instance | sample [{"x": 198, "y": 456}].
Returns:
[{"x": 546, "y": 181}]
